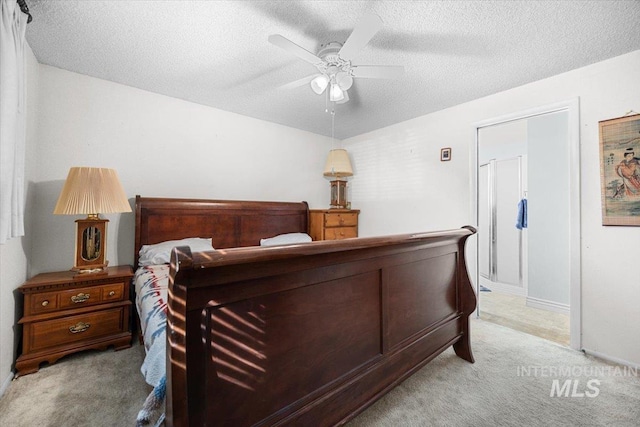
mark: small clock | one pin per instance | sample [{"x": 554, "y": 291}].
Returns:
[{"x": 90, "y": 244}]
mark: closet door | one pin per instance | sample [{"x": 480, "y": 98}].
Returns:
[
  {"x": 508, "y": 248},
  {"x": 485, "y": 233}
]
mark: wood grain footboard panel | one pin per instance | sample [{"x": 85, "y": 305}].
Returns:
[
  {"x": 265, "y": 350},
  {"x": 310, "y": 334}
]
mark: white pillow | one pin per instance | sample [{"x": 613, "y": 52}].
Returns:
[
  {"x": 286, "y": 239},
  {"x": 161, "y": 252}
]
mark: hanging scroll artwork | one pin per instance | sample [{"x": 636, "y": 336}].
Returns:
[{"x": 620, "y": 170}]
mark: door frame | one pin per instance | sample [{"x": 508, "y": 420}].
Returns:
[{"x": 572, "y": 106}]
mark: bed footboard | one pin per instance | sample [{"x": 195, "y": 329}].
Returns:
[{"x": 310, "y": 334}]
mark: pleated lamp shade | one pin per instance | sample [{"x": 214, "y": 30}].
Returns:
[
  {"x": 338, "y": 164},
  {"x": 92, "y": 191}
]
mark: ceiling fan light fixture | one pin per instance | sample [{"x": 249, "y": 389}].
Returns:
[
  {"x": 319, "y": 84},
  {"x": 344, "y": 80},
  {"x": 335, "y": 93},
  {"x": 345, "y": 99},
  {"x": 333, "y": 61},
  {"x": 332, "y": 70}
]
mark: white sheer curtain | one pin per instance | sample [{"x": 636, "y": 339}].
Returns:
[{"x": 12, "y": 119}]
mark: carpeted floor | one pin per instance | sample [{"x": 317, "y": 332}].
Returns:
[
  {"x": 509, "y": 385},
  {"x": 512, "y": 311},
  {"x": 503, "y": 389},
  {"x": 90, "y": 388}
]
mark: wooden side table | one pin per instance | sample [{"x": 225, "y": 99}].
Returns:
[
  {"x": 65, "y": 312},
  {"x": 333, "y": 224}
]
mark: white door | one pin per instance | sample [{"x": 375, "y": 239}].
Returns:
[
  {"x": 549, "y": 231},
  {"x": 500, "y": 242},
  {"x": 508, "y": 256},
  {"x": 484, "y": 221}
]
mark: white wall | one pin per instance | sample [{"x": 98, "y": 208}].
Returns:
[
  {"x": 15, "y": 254},
  {"x": 161, "y": 147},
  {"x": 399, "y": 182},
  {"x": 401, "y": 186}
]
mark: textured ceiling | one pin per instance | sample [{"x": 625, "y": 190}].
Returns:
[{"x": 216, "y": 52}]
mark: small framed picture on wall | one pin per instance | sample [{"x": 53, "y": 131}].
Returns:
[{"x": 445, "y": 154}]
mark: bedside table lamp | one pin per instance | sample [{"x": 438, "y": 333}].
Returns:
[
  {"x": 338, "y": 166},
  {"x": 91, "y": 191}
]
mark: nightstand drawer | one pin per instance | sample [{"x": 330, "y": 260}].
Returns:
[
  {"x": 338, "y": 233},
  {"x": 81, "y": 327},
  {"x": 340, "y": 220},
  {"x": 113, "y": 292},
  {"x": 91, "y": 295},
  {"x": 333, "y": 224}
]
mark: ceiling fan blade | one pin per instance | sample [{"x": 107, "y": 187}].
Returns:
[
  {"x": 377, "y": 71},
  {"x": 293, "y": 48},
  {"x": 300, "y": 82},
  {"x": 364, "y": 31}
]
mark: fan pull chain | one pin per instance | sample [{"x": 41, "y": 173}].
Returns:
[
  {"x": 326, "y": 102},
  {"x": 333, "y": 125}
]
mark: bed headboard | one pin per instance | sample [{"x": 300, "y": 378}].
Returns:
[{"x": 230, "y": 223}]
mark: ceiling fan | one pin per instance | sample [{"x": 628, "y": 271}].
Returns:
[{"x": 333, "y": 61}]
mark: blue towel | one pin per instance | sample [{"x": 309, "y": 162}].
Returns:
[{"x": 521, "y": 221}]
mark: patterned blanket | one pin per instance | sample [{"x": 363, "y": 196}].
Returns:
[{"x": 151, "y": 285}]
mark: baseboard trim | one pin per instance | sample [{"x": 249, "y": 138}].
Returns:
[
  {"x": 543, "y": 304},
  {"x": 611, "y": 358},
  {"x": 5, "y": 384},
  {"x": 503, "y": 288}
]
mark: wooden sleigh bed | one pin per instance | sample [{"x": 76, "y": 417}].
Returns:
[{"x": 303, "y": 334}]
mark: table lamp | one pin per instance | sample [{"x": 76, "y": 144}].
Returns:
[
  {"x": 91, "y": 191},
  {"x": 338, "y": 166}
]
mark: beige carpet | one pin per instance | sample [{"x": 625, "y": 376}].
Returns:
[
  {"x": 512, "y": 311},
  {"x": 496, "y": 390},
  {"x": 106, "y": 389},
  {"x": 90, "y": 388}
]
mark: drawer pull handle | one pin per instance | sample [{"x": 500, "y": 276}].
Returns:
[
  {"x": 80, "y": 298},
  {"x": 112, "y": 293},
  {"x": 45, "y": 303},
  {"x": 79, "y": 327}
]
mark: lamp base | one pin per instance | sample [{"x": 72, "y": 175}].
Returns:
[
  {"x": 338, "y": 194},
  {"x": 97, "y": 271},
  {"x": 91, "y": 245}
]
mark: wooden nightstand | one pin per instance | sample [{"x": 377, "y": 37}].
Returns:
[
  {"x": 333, "y": 224},
  {"x": 65, "y": 313}
]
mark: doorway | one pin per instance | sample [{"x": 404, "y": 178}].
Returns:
[
  {"x": 530, "y": 270},
  {"x": 502, "y": 190}
]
